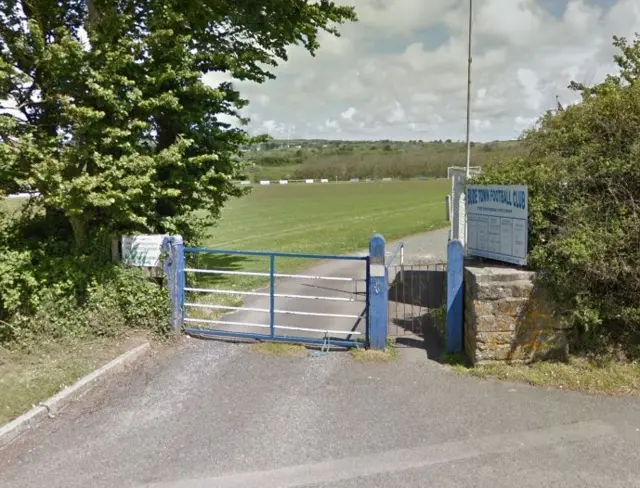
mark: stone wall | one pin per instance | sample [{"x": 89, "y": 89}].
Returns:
[{"x": 507, "y": 317}]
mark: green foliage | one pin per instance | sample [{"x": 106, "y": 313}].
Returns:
[
  {"x": 117, "y": 131},
  {"x": 108, "y": 118},
  {"x": 583, "y": 172},
  {"x": 60, "y": 297},
  {"x": 440, "y": 321}
]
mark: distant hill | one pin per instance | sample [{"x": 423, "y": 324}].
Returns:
[{"x": 318, "y": 158}]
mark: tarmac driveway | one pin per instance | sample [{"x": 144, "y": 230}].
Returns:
[{"x": 217, "y": 414}]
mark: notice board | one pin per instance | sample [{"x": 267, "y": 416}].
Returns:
[{"x": 498, "y": 222}]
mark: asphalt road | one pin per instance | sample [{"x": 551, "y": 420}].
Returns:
[{"x": 215, "y": 414}]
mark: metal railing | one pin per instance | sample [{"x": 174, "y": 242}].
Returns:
[
  {"x": 417, "y": 298},
  {"x": 249, "y": 328},
  {"x": 397, "y": 253}
]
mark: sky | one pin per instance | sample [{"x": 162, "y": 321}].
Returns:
[{"x": 400, "y": 72}]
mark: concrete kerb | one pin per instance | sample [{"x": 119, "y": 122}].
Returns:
[{"x": 48, "y": 409}]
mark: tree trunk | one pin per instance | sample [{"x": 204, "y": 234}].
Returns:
[{"x": 79, "y": 227}]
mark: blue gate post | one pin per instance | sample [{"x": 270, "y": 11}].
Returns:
[
  {"x": 455, "y": 269},
  {"x": 174, "y": 269},
  {"x": 377, "y": 293}
]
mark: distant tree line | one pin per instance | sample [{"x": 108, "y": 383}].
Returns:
[{"x": 375, "y": 160}]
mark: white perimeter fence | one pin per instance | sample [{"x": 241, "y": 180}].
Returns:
[{"x": 324, "y": 180}]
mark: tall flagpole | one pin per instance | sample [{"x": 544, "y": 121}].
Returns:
[{"x": 469, "y": 92}]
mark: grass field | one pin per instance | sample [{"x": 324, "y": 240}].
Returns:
[
  {"x": 329, "y": 218},
  {"x": 317, "y": 219}
]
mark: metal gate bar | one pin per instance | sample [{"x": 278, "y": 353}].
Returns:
[
  {"x": 266, "y": 310},
  {"x": 266, "y": 275},
  {"x": 282, "y": 327},
  {"x": 264, "y": 294},
  {"x": 345, "y": 341},
  {"x": 273, "y": 338}
]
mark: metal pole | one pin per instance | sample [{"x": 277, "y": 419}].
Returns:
[
  {"x": 469, "y": 92},
  {"x": 272, "y": 295}
]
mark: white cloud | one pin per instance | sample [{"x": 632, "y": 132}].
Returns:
[
  {"x": 529, "y": 81},
  {"x": 400, "y": 16},
  {"x": 349, "y": 113},
  {"x": 402, "y": 69},
  {"x": 480, "y": 125},
  {"x": 332, "y": 124}
]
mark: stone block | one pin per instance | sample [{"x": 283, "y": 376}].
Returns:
[
  {"x": 522, "y": 289},
  {"x": 513, "y": 307},
  {"x": 495, "y": 323},
  {"x": 484, "y": 323},
  {"x": 499, "y": 290},
  {"x": 493, "y": 340},
  {"x": 491, "y": 291},
  {"x": 483, "y": 273},
  {"x": 542, "y": 344},
  {"x": 508, "y": 318},
  {"x": 502, "y": 353},
  {"x": 482, "y": 307}
]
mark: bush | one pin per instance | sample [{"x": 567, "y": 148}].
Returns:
[
  {"x": 583, "y": 173},
  {"x": 48, "y": 291},
  {"x": 85, "y": 300}
]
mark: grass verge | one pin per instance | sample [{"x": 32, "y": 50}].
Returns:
[
  {"x": 279, "y": 349},
  {"x": 28, "y": 377},
  {"x": 599, "y": 377},
  {"x": 390, "y": 353}
]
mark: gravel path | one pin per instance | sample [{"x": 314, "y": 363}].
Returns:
[{"x": 430, "y": 247}]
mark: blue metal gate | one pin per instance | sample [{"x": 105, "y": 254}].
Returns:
[{"x": 267, "y": 314}]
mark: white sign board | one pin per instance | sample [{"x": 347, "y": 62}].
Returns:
[
  {"x": 498, "y": 222},
  {"x": 142, "y": 250}
]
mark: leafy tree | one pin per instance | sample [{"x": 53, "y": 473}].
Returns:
[
  {"x": 108, "y": 118},
  {"x": 583, "y": 172}
]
